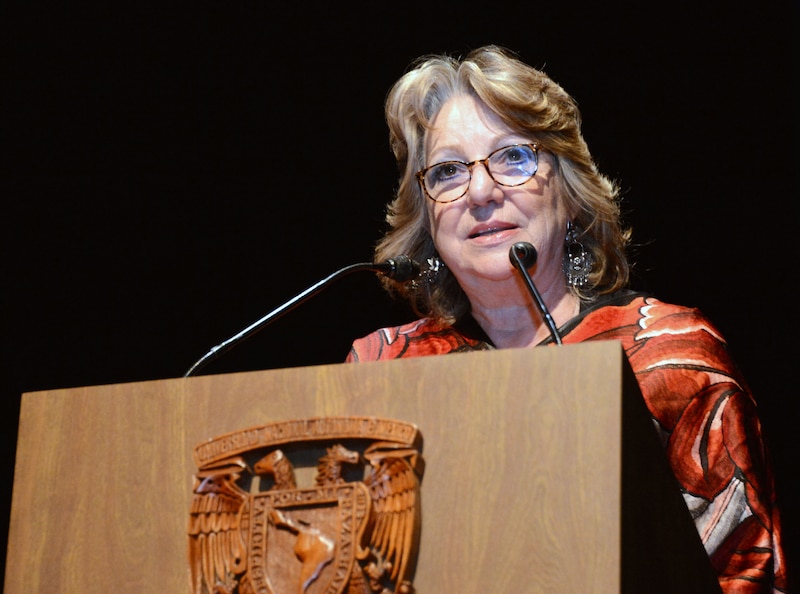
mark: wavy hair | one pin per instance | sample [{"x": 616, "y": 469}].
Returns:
[{"x": 530, "y": 103}]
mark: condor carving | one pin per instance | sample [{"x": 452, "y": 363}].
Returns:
[{"x": 256, "y": 528}]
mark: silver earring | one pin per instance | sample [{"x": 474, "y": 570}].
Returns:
[
  {"x": 578, "y": 261},
  {"x": 429, "y": 274}
]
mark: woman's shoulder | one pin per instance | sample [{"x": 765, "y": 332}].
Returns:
[
  {"x": 641, "y": 314},
  {"x": 418, "y": 338},
  {"x": 653, "y": 314},
  {"x": 643, "y": 306}
]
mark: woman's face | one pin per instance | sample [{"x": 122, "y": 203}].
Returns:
[{"x": 474, "y": 234}]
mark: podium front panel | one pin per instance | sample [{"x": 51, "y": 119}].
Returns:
[{"x": 522, "y": 489}]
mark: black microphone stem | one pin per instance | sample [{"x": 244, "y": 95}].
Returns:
[
  {"x": 529, "y": 252},
  {"x": 275, "y": 314}
]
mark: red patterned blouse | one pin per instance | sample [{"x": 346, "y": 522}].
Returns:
[{"x": 701, "y": 405}]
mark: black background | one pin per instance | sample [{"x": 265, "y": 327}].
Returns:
[{"x": 170, "y": 173}]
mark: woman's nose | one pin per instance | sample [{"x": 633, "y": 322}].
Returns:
[{"x": 482, "y": 188}]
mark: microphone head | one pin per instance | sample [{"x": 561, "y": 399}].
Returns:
[
  {"x": 523, "y": 252},
  {"x": 401, "y": 269}
]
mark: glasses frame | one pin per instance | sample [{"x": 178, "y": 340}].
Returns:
[{"x": 420, "y": 175}]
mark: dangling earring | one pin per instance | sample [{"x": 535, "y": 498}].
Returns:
[
  {"x": 577, "y": 263},
  {"x": 429, "y": 274}
]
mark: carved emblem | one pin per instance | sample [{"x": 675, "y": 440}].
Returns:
[{"x": 323, "y": 505}]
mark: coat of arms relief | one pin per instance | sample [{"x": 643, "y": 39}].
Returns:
[{"x": 313, "y": 506}]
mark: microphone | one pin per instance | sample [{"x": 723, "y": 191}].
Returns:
[
  {"x": 523, "y": 255},
  {"x": 400, "y": 268}
]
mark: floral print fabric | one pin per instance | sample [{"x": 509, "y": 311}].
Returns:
[{"x": 703, "y": 411}]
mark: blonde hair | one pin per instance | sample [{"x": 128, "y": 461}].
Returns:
[{"x": 528, "y": 102}]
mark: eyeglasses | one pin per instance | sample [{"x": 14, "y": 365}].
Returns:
[{"x": 508, "y": 166}]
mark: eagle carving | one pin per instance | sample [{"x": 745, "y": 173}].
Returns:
[{"x": 353, "y": 527}]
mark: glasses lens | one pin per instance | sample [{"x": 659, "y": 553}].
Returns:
[
  {"x": 508, "y": 166},
  {"x": 513, "y": 165},
  {"x": 447, "y": 181}
]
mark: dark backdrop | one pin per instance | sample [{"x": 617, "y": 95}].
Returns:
[{"x": 170, "y": 174}]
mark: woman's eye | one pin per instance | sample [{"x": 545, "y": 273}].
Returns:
[
  {"x": 514, "y": 155},
  {"x": 445, "y": 171}
]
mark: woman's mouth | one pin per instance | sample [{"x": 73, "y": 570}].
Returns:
[{"x": 487, "y": 230}]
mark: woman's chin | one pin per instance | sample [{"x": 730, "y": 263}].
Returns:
[{"x": 491, "y": 271}]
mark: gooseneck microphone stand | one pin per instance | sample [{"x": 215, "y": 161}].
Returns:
[
  {"x": 523, "y": 255},
  {"x": 401, "y": 269}
]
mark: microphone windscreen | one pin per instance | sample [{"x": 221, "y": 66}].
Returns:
[
  {"x": 525, "y": 252},
  {"x": 401, "y": 269}
]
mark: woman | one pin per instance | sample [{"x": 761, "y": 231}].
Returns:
[{"x": 490, "y": 153}]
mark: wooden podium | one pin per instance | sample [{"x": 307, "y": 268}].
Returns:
[{"x": 543, "y": 473}]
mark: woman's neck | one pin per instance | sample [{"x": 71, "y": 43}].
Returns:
[{"x": 520, "y": 324}]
